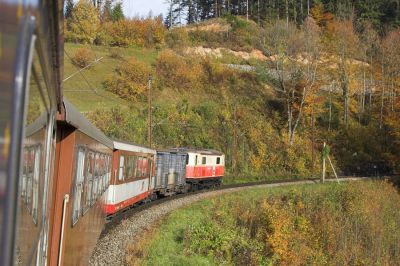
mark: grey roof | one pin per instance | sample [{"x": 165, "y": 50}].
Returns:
[
  {"x": 128, "y": 146},
  {"x": 38, "y": 124},
  {"x": 76, "y": 119},
  {"x": 201, "y": 151}
]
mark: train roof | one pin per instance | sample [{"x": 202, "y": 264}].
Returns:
[
  {"x": 127, "y": 146},
  {"x": 170, "y": 151},
  {"x": 200, "y": 151},
  {"x": 76, "y": 119}
]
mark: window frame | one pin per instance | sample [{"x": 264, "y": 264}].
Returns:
[
  {"x": 121, "y": 168},
  {"x": 79, "y": 185}
]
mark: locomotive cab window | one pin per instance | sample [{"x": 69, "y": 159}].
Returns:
[
  {"x": 204, "y": 160},
  {"x": 218, "y": 160}
]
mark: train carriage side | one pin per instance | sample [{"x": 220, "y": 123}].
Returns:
[
  {"x": 204, "y": 169},
  {"x": 83, "y": 171},
  {"x": 30, "y": 80},
  {"x": 133, "y": 176},
  {"x": 170, "y": 172}
]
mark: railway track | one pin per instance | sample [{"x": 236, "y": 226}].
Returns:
[{"x": 121, "y": 231}]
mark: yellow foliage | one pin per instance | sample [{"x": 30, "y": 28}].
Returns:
[
  {"x": 129, "y": 80},
  {"x": 178, "y": 72}
]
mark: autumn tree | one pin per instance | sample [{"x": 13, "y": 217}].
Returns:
[
  {"x": 84, "y": 22},
  {"x": 69, "y": 7},
  {"x": 294, "y": 57},
  {"x": 129, "y": 80},
  {"x": 117, "y": 12},
  {"x": 346, "y": 48}
]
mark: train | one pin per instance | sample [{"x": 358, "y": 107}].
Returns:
[{"x": 61, "y": 178}]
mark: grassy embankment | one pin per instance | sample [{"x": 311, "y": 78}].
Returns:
[
  {"x": 80, "y": 93},
  {"x": 337, "y": 224}
]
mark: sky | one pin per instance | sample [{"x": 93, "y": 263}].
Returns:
[{"x": 142, "y": 8}]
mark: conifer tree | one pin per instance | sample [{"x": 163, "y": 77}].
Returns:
[
  {"x": 117, "y": 12},
  {"x": 69, "y": 6}
]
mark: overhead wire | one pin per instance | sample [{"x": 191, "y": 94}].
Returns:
[{"x": 91, "y": 87}]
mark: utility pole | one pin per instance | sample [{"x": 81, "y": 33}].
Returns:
[
  {"x": 312, "y": 139},
  {"x": 149, "y": 133}
]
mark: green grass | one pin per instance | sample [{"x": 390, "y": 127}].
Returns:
[
  {"x": 89, "y": 97},
  {"x": 168, "y": 247},
  {"x": 348, "y": 223}
]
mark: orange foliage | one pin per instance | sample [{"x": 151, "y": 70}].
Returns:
[
  {"x": 82, "y": 57},
  {"x": 147, "y": 32},
  {"x": 178, "y": 72},
  {"x": 129, "y": 80}
]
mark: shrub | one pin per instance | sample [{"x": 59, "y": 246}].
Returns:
[
  {"x": 177, "y": 38},
  {"x": 82, "y": 57},
  {"x": 129, "y": 80},
  {"x": 138, "y": 32},
  {"x": 115, "y": 53},
  {"x": 337, "y": 224},
  {"x": 178, "y": 72}
]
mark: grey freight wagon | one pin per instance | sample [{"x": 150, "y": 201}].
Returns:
[{"x": 170, "y": 172}]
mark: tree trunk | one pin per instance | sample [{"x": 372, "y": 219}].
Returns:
[
  {"x": 287, "y": 12},
  {"x": 301, "y": 10},
  {"x": 330, "y": 107},
  {"x": 294, "y": 12},
  {"x": 382, "y": 95},
  {"x": 247, "y": 10}
]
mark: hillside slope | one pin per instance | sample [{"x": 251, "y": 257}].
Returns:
[
  {"x": 331, "y": 224},
  {"x": 267, "y": 97}
]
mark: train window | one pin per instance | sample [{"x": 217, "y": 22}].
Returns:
[
  {"x": 35, "y": 184},
  {"x": 130, "y": 167},
  {"x": 121, "y": 168},
  {"x": 187, "y": 159},
  {"x": 89, "y": 178},
  {"x": 99, "y": 175},
  {"x": 30, "y": 161},
  {"x": 24, "y": 176},
  {"x": 149, "y": 174},
  {"x": 108, "y": 171},
  {"x": 195, "y": 160},
  {"x": 218, "y": 160},
  {"x": 204, "y": 160},
  {"x": 78, "y": 190},
  {"x": 145, "y": 164},
  {"x": 138, "y": 167},
  {"x": 95, "y": 179},
  {"x": 103, "y": 173}
]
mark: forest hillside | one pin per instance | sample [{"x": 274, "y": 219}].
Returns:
[{"x": 266, "y": 84}]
